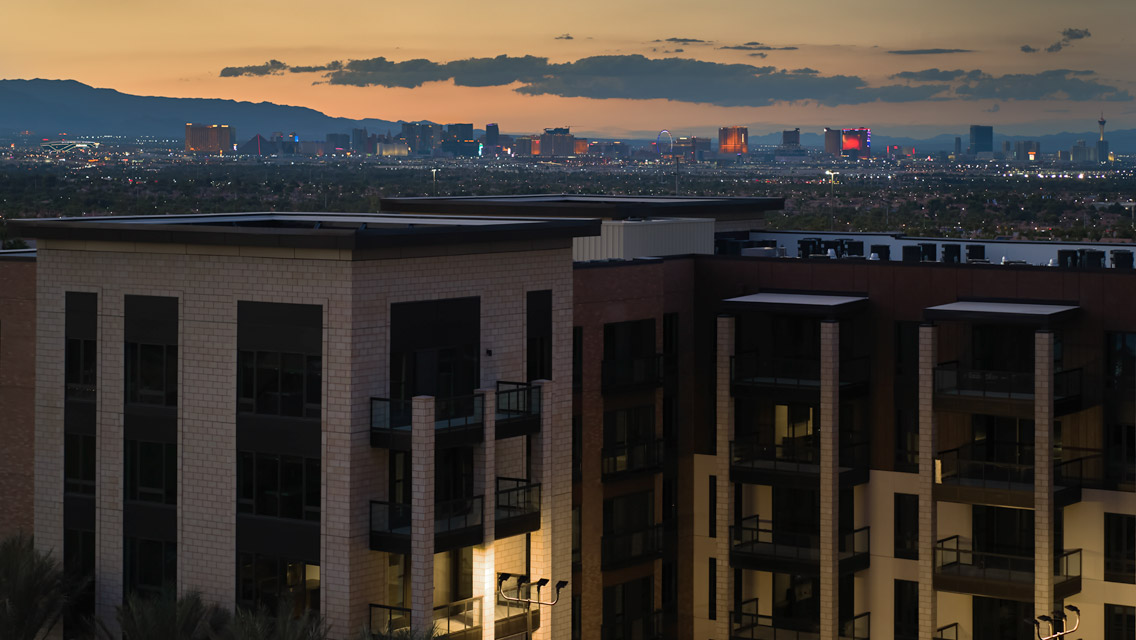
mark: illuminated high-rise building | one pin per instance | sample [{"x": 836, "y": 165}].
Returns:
[
  {"x": 733, "y": 140},
  {"x": 856, "y": 143},
  {"x": 832, "y": 141},
  {"x": 209, "y": 138}
]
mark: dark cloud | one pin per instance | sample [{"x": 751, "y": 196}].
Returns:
[
  {"x": 637, "y": 77},
  {"x": 927, "y": 52},
  {"x": 334, "y": 65},
  {"x": 271, "y": 67},
  {"x": 937, "y": 75},
  {"x": 1055, "y": 84},
  {"x": 757, "y": 46},
  {"x": 1068, "y": 36},
  {"x": 565, "y": 36}
]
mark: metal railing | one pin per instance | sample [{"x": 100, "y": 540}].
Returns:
[
  {"x": 617, "y": 548},
  {"x": 390, "y": 518},
  {"x": 644, "y": 627},
  {"x": 632, "y": 457},
  {"x": 632, "y": 371},
  {"x": 459, "y": 411},
  {"x": 461, "y": 513},
  {"x": 388, "y": 619},
  {"x": 517, "y": 401},
  {"x": 517, "y": 497},
  {"x": 387, "y": 414},
  {"x": 949, "y": 632},
  {"x": 750, "y": 367},
  {"x": 954, "y": 557},
  {"x": 457, "y": 617}
]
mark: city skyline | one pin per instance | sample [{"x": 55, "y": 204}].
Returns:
[{"x": 620, "y": 71}]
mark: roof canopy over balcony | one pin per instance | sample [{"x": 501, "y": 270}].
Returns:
[
  {"x": 1039, "y": 314},
  {"x": 825, "y": 305}
]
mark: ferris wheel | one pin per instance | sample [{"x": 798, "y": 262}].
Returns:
[{"x": 664, "y": 143}]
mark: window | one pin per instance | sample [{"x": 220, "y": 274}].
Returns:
[
  {"x": 1119, "y": 622},
  {"x": 712, "y": 585},
  {"x": 80, "y": 369},
  {"x": 278, "y": 486},
  {"x": 263, "y": 581},
  {"x": 151, "y": 374},
  {"x": 907, "y": 526},
  {"x": 151, "y": 471},
  {"x": 906, "y": 609},
  {"x": 149, "y": 566},
  {"x": 79, "y": 464},
  {"x": 1119, "y": 548},
  {"x": 276, "y": 383}
]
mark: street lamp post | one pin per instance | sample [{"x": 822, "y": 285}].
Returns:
[
  {"x": 831, "y": 196},
  {"x": 528, "y": 602},
  {"x": 1058, "y": 617}
]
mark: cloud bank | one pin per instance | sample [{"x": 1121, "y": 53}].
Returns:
[{"x": 636, "y": 77}]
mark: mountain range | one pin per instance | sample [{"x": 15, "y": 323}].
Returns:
[{"x": 49, "y": 107}]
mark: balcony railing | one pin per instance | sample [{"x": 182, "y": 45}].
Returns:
[
  {"x": 460, "y": 619},
  {"x": 949, "y": 632},
  {"x": 954, "y": 557},
  {"x": 632, "y": 547},
  {"x": 389, "y": 620},
  {"x": 645, "y": 627},
  {"x": 518, "y": 507},
  {"x": 518, "y": 409},
  {"x": 630, "y": 458},
  {"x": 632, "y": 372},
  {"x": 951, "y": 378}
]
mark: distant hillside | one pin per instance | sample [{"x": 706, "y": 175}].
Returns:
[{"x": 52, "y": 106}]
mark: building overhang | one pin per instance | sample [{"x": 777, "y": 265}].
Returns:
[
  {"x": 1029, "y": 313},
  {"x": 801, "y": 304}
]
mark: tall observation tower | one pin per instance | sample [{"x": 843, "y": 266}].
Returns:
[{"x": 1101, "y": 123}]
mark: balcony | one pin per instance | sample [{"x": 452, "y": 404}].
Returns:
[
  {"x": 518, "y": 409},
  {"x": 518, "y": 507},
  {"x": 960, "y": 569},
  {"x": 632, "y": 458},
  {"x": 793, "y": 461},
  {"x": 645, "y": 627},
  {"x": 755, "y": 545},
  {"x": 635, "y": 373},
  {"x": 625, "y": 549},
  {"x": 968, "y": 475},
  {"x": 457, "y": 523},
  {"x": 747, "y": 624},
  {"x": 958, "y": 388},
  {"x": 751, "y": 370}
]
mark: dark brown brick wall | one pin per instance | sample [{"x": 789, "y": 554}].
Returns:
[{"x": 17, "y": 395}]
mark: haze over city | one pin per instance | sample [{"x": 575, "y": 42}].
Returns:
[{"x": 611, "y": 69}]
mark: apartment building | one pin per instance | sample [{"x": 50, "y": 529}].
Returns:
[
  {"x": 751, "y": 447},
  {"x": 356, "y": 415}
]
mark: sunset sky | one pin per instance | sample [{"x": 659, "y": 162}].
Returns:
[{"x": 610, "y": 68}]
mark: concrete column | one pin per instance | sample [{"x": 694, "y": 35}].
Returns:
[
  {"x": 1043, "y": 473},
  {"x": 109, "y": 458},
  {"x": 485, "y": 483},
  {"x": 723, "y": 518},
  {"x": 829, "y": 428},
  {"x": 422, "y": 514},
  {"x": 928, "y": 445}
]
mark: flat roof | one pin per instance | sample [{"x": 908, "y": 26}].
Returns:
[
  {"x": 588, "y": 206},
  {"x": 306, "y": 229},
  {"x": 813, "y": 304},
  {"x": 1037, "y": 313}
]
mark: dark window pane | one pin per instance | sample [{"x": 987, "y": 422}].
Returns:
[{"x": 267, "y": 485}]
